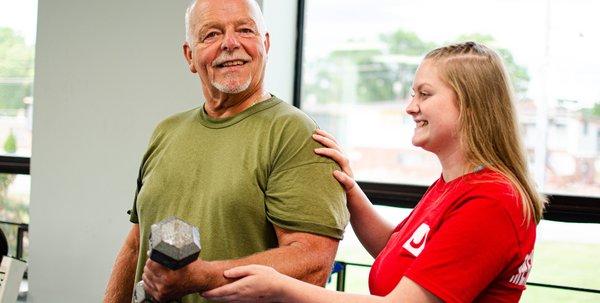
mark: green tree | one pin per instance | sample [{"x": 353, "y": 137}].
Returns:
[
  {"x": 10, "y": 144},
  {"x": 16, "y": 68},
  {"x": 373, "y": 80},
  {"x": 518, "y": 73},
  {"x": 387, "y": 73},
  {"x": 406, "y": 43},
  {"x": 377, "y": 78},
  {"x": 593, "y": 111}
]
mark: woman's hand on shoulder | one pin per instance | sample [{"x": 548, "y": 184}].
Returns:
[{"x": 333, "y": 151}]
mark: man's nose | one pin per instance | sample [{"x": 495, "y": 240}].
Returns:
[{"x": 230, "y": 41}]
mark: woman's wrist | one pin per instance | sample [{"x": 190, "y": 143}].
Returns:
[
  {"x": 283, "y": 291},
  {"x": 355, "y": 195}
]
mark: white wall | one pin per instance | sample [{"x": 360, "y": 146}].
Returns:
[
  {"x": 106, "y": 73},
  {"x": 280, "y": 16}
]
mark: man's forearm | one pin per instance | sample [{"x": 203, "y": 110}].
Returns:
[
  {"x": 296, "y": 260},
  {"x": 122, "y": 278},
  {"x": 120, "y": 284}
]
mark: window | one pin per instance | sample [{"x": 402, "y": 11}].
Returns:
[
  {"x": 17, "y": 45},
  {"x": 358, "y": 62}
]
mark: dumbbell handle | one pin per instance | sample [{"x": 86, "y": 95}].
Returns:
[
  {"x": 163, "y": 258},
  {"x": 140, "y": 295}
]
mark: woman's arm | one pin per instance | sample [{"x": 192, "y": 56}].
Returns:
[
  {"x": 264, "y": 284},
  {"x": 372, "y": 230}
]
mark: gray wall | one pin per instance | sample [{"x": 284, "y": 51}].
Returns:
[{"x": 106, "y": 73}]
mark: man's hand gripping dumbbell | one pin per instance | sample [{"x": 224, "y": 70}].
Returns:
[{"x": 173, "y": 244}]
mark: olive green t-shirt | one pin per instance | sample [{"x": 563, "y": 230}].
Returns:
[{"x": 235, "y": 178}]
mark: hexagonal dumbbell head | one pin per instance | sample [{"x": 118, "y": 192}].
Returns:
[{"x": 174, "y": 243}]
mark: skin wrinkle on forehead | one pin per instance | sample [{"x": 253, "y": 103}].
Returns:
[
  {"x": 205, "y": 27},
  {"x": 192, "y": 34}
]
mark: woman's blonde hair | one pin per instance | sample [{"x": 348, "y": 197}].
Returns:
[{"x": 487, "y": 120}]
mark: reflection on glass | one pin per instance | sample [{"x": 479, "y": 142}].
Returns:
[{"x": 360, "y": 61}]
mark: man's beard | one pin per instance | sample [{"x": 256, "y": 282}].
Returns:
[{"x": 230, "y": 88}]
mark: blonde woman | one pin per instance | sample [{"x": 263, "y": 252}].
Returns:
[{"x": 471, "y": 237}]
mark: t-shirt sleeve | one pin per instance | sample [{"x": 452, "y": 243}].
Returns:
[
  {"x": 133, "y": 215},
  {"x": 156, "y": 135},
  {"x": 470, "y": 249},
  {"x": 302, "y": 194}
]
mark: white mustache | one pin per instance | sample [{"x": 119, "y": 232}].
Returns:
[{"x": 225, "y": 57}]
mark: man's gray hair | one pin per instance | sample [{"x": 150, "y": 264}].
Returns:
[
  {"x": 188, "y": 11},
  {"x": 188, "y": 31}
]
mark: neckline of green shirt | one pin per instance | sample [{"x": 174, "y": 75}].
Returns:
[{"x": 209, "y": 122}]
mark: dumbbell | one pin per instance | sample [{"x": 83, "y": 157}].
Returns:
[{"x": 173, "y": 243}]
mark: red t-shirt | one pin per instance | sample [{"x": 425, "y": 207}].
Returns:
[{"x": 466, "y": 240}]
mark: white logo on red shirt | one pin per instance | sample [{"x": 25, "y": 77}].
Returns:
[
  {"x": 521, "y": 277},
  {"x": 416, "y": 243}
]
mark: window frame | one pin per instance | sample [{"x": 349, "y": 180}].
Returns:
[
  {"x": 562, "y": 208},
  {"x": 14, "y": 165}
]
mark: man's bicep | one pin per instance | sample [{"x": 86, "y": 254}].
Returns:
[
  {"x": 311, "y": 255},
  {"x": 287, "y": 237},
  {"x": 307, "y": 198}
]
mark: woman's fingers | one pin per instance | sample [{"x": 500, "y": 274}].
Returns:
[
  {"x": 347, "y": 182},
  {"x": 331, "y": 153},
  {"x": 338, "y": 157},
  {"x": 326, "y": 135},
  {"x": 223, "y": 291},
  {"x": 240, "y": 271},
  {"x": 327, "y": 142}
]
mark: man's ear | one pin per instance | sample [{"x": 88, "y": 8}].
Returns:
[
  {"x": 267, "y": 43},
  {"x": 187, "y": 53}
]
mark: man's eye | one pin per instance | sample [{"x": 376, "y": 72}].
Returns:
[
  {"x": 246, "y": 31},
  {"x": 210, "y": 35},
  {"x": 424, "y": 94}
]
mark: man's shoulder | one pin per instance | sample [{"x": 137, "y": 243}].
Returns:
[
  {"x": 287, "y": 114},
  {"x": 167, "y": 125},
  {"x": 176, "y": 119}
]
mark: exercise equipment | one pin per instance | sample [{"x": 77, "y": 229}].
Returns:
[{"x": 174, "y": 244}]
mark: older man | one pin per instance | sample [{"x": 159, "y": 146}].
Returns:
[{"x": 241, "y": 168}]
